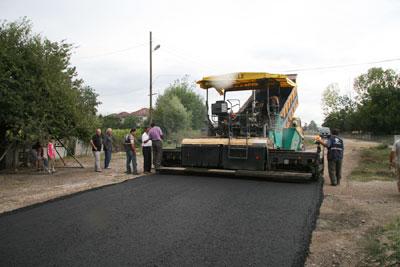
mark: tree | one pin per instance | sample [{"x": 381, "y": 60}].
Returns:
[
  {"x": 338, "y": 109},
  {"x": 330, "y": 99},
  {"x": 40, "y": 93},
  {"x": 110, "y": 121},
  {"x": 130, "y": 122},
  {"x": 379, "y": 100},
  {"x": 376, "y": 79},
  {"x": 171, "y": 115},
  {"x": 373, "y": 109},
  {"x": 192, "y": 102},
  {"x": 312, "y": 126}
]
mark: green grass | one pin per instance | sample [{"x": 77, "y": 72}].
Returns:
[
  {"x": 373, "y": 165},
  {"x": 382, "y": 245}
]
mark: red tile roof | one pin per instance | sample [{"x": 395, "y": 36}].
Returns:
[{"x": 143, "y": 112}]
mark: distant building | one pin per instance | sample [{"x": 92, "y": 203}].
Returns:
[
  {"x": 142, "y": 114},
  {"x": 122, "y": 115}
]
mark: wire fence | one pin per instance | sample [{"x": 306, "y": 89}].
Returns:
[{"x": 383, "y": 139}]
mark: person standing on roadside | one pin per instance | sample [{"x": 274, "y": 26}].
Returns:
[
  {"x": 107, "y": 144},
  {"x": 335, "y": 156},
  {"x": 395, "y": 160},
  {"x": 51, "y": 155},
  {"x": 130, "y": 152},
  {"x": 37, "y": 150},
  {"x": 96, "y": 142},
  {"x": 146, "y": 148},
  {"x": 156, "y": 136}
]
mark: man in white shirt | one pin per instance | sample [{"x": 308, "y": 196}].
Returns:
[
  {"x": 395, "y": 160},
  {"x": 146, "y": 148}
]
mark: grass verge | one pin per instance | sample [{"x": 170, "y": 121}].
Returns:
[
  {"x": 373, "y": 165},
  {"x": 382, "y": 245}
]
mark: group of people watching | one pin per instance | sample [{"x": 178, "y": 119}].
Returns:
[
  {"x": 44, "y": 156},
  {"x": 151, "y": 142}
]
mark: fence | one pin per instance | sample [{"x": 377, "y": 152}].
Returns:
[
  {"x": 21, "y": 155},
  {"x": 384, "y": 139}
]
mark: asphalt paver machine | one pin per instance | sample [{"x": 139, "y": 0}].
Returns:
[{"x": 262, "y": 138}]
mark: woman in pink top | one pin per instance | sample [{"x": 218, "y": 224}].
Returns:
[{"x": 51, "y": 153}]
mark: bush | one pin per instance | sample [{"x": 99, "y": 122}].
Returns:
[{"x": 119, "y": 138}]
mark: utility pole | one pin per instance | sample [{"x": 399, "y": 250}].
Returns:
[
  {"x": 151, "y": 81},
  {"x": 151, "y": 77}
]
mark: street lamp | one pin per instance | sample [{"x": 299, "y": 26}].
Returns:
[{"x": 151, "y": 77}]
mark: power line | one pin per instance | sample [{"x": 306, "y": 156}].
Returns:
[
  {"x": 342, "y": 65},
  {"x": 124, "y": 92},
  {"x": 112, "y": 52},
  {"x": 185, "y": 58}
]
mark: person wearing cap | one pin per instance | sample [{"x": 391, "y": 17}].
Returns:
[{"x": 335, "y": 156}]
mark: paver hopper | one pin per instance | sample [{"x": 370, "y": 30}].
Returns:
[{"x": 261, "y": 139}]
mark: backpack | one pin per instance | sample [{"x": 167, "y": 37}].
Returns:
[{"x": 127, "y": 142}]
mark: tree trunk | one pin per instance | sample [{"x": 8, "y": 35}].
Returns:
[{"x": 3, "y": 146}]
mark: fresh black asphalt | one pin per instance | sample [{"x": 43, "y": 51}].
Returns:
[{"x": 167, "y": 221}]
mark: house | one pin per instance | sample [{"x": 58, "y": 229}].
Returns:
[{"x": 142, "y": 114}]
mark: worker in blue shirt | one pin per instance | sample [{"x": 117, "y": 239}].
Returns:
[{"x": 335, "y": 156}]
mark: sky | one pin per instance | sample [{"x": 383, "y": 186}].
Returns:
[{"x": 202, "y": 38}]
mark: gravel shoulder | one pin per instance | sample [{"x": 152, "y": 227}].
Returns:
[
  {"x": 27, "y": 186},
  {"x": 349, "y": 211}
]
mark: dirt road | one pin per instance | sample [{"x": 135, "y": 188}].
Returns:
[{"x": 348, "y": 212}]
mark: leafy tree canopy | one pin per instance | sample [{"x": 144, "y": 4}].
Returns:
[
  {"x": 312, "y": 126},
  {"x": 374, "y": 108},
  {"x": 115, "y": 122},
  {"x": 171, "y": 115},
  {"x": 130, "y": 122},
  {"x": 192, "y": 102},
  {"x": 180, "y": 108},
  {"x": 40, "y": 93}
]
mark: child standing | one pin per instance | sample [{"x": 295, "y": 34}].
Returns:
[{"x": 51, "y": 154}]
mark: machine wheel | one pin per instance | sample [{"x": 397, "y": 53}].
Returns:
[{"x": 318, "y": 171}]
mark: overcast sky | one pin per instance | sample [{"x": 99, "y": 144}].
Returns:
[{"x": 202, "y": 38}]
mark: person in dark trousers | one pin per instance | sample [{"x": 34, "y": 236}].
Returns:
[
  {"x": 335, "y": 156},
  {"x": 146, "y": 148},
  {"x": 96, "y": 143},
  {"x": 131, "y": 152},
  {"x": 394, "y": 160},
  {"x": 156, "y": 137},
  {"x": 38, "y": 152},
  {"x": 107, "y": 144}
]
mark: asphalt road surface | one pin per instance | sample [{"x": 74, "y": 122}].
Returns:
[{"x": 167, "y": 221}]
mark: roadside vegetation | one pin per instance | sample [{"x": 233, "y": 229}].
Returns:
[
  {"x": 369, "y": 108},
  {"x": 41, "y": 93},
  {"x": 373, "y": 165},
  {"x": 382, "y": 245},
  {"x": 180, "y": 111}
]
